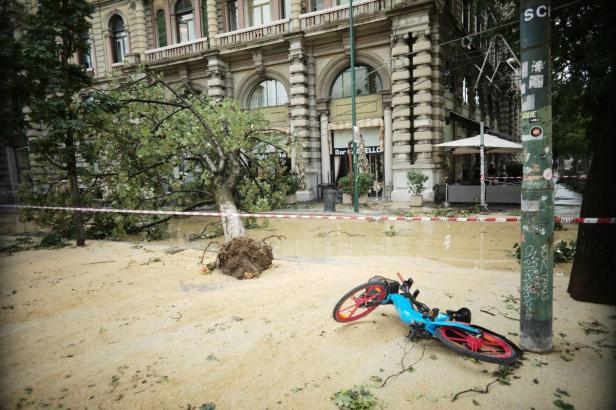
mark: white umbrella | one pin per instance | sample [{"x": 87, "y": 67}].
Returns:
[{"x": 491, "y": 143}]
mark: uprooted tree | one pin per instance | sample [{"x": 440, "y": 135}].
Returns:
[{"x": 168, "y": 146}]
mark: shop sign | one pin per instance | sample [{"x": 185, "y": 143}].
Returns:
[{"x": 368, "y": 150}]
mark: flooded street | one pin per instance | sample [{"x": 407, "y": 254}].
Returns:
[{"x": 461, "y": 244}]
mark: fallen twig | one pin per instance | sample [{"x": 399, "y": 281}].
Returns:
[
  {"x": 206, "y": 248},
  {"x": 504, "y": 314},
  {"x": 475, "y": 390},
  {"x": 94, "y": 263},
  {"x": 405, "y": 368},
  {"x": 324, "y": 234},
  {"x": 485, "y": 311},
  {"x": 279, "y": 237}
]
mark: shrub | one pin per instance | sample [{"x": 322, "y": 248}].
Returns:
[{"x": 364, "y": 184}]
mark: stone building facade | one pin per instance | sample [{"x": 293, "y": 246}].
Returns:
[{"x": 290, "y": 58}]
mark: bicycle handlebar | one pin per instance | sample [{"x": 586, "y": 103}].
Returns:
[{"x": 406, "y": 289}]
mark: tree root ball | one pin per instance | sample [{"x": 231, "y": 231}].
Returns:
[{"x": 244, "y": 258}]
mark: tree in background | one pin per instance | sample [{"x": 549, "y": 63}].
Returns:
[
  {"x": 52, "y": 43},
  {"x": 585, "y": 80},
  {"x": 12, "y": 81}
]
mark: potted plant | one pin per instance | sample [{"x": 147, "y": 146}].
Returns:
[
  {"x": 364, "y": 184},
  {"x": 416, "y": 182},
  {"x": 292, "y": 183}
]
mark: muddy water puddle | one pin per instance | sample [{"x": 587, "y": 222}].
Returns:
[{"x": 464, "y": 245}]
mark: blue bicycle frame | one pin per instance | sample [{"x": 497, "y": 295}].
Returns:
[{"x": 409, "y": 315}]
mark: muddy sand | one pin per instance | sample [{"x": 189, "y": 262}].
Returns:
[{"x": 119, "y": 325}]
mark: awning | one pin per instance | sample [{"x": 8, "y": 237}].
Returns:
[
  {"x": 492, "y": 144},
  {"x": 365, "y": 123}
]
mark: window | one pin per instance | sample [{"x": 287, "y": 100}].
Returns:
[
  {"x": 232, "y": 15},
  {"x": 464, "y": 91},
  {"x": 342, "y": 2},
  {"x": 268, "y": 93},
  {"x": 367, "y": 81},
  {"x": 316, "y": 5},
  {"x": 85, "y": 59},
  {"x": 161, "y": 28},
  {"x": 286, "y": 9},
  {"x": 204, "y": 24},
  {"x": 119, "y": 39},
  {"x": 185, "y": 21},
  {"x": 260, "y": 12}
]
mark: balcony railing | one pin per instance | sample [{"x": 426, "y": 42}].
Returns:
[
  {"x": 339, "y": 14},
  {"x": 176, "y": 50},
  {"x": 253, "y": 33}
]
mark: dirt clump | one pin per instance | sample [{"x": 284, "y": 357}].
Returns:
[{"x": 244, "y": 258}]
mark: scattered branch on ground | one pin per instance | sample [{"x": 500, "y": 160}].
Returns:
[
  {"x": 486, "y": 309},
  {"x": 502, "y": 377},
  {"x": 206, "y": 248},
  {"x": 279, "y": 237},
  {"x": 96, "y": 263},
  {"x": 325, "y": 234},
  {"x": 406, "y": 350}
]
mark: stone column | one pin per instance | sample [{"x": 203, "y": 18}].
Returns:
[
  {"x": 216, "y": 69},
  {"x": 313, "y": 144},
  {"x": 401, "y": 114},
  {"x": 422, "y": 99},
  {"x": 212, "y": 22},
  {"x": 300, "y": 123},
  {"x": 138, "y": 39},
  {"x": 296, "y": 10},
  {"x": 388, "y": 146},
  {"x": 326, "y": 172}
]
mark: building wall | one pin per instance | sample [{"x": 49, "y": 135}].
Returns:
[{"x": 399, "y": 39}]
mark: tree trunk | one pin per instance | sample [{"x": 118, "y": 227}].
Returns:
[
  {"x": 232, "y": 225},
  {"x": 593, "y": 276},
  {"x": 71, "y": 168}
]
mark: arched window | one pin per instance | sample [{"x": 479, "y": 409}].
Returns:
[
  {"x": 119, "y": 39},
  {"x": 268, "y": 93},
  {"x": 185, "y": 21},
  {"x": 161, "y": 28},
  {"x": 367, "y": 81}
]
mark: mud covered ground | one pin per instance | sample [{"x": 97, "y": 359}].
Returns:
[{"x": 125, "y": 325}]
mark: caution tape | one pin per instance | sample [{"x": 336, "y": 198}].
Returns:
[{"x": 496, "y": 219}]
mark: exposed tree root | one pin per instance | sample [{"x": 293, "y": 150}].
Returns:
[{"x": 244, "y": 258}]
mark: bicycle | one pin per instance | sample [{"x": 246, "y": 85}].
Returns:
[{"x": 452, "y": 328}]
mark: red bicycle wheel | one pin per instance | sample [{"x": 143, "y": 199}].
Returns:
[
  {"x": 358, "y": 302},
  {"x": 486, "y": 346}
]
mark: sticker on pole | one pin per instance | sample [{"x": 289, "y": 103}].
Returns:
[
  {"x": 536, "y": 131},
  {"x": 535, "y": 134}
]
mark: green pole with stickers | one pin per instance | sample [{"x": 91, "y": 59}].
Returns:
[{"x": 537, "y": 183}]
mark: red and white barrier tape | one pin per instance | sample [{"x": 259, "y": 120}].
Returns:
[{"x": 497, "y": 219}]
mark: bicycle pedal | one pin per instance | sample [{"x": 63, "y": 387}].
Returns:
[{"x": 434, "y": 313}]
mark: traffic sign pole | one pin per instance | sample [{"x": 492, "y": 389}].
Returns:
[{"x": 537, "y": 182}]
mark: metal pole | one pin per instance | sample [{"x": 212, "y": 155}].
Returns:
[
  {"x": 537, "y": 185},
  {"x": 353, "y": 113},
  {"x": 482, "y": 164}
]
